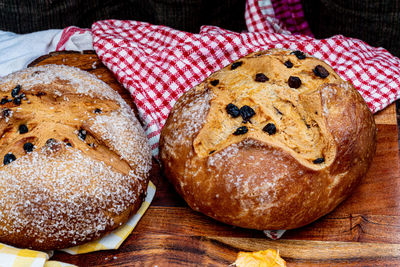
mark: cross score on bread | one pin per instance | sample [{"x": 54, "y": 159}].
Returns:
[
  {"x": 75, "y": 159},
  {"x": 273, "y": 141},
  {"x": 298, "y": 120}
]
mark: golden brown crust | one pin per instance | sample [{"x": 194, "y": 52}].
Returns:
[
  {"x": 323, "y": 142},
  {"x": 87, "y": 166}
]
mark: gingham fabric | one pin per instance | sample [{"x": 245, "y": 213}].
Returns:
[
  {"x": 15, "y": 257},
  {"x": 10, "y": 256},
  {"x": 71, "y": 38},
  {"x": 158, "y": 64},
  {"x": 276, "y": 16},
  {"x": 290, "y": 14},
  {"x": 260, "y": 17}
]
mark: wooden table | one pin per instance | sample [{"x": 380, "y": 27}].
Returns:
[{"x": 363, "y": 231}]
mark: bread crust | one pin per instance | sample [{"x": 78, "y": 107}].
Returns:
[
  {"x": 261, "y": 181},
  {"x": 88, "y": 165}
]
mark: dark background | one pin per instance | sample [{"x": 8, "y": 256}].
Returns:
[
  {"x": 375, "y": 21},
  {"x": 23, "y": 16}
]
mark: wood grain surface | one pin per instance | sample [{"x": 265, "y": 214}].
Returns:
[{"x": 363, "y": 231}]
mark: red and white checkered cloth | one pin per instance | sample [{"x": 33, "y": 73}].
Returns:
[
  {"x": 158, "y": 64},
  {"x": 276, "y": 16}
]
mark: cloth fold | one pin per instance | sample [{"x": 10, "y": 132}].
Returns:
[{"x": 17, "y": 50}]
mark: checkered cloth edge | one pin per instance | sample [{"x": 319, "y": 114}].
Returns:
[
  {"x": 67, "y": 34},
  {"x": 158, "y": 64},
  {"x": 290, "y": 13},
  {"x": 260, "y": 17},
  {"x": 276, "y": 16}
]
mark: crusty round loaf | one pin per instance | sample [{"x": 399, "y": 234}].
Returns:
[
  {"x": 273, "y": 141},
  {"x": 75, "y": 160}
]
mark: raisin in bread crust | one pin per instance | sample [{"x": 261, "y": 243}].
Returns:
[
  {"x": 321, "y": 144},
  {"x": 88, "y": 169}
]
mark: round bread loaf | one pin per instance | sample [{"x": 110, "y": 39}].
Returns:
[
  {"x": 75, "y": 160},
  {"x": 273, "y": 141}
]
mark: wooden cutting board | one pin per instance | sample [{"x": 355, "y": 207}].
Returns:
[{"x": 363, "y": 231}]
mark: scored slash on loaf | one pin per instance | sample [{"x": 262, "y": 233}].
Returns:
[
  {"x": 75, "y": 159},
  {"x": 273, "y": 141}
]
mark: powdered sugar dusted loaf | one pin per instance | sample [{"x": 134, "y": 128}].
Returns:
[
  {"x": 75, "y": 161},
  {"x": 273, "y": 141}
]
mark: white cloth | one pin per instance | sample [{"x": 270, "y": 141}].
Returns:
[{"x": 18, "y": 50}]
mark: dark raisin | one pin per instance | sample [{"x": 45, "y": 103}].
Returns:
[
  {"x": 214, "y": 82},
  {"x": 97, "y": 110},
  {"x": 232, "y": 110},
  {"x": 8, "y": 158},
  {"x": 299, "y": 54},
  {"x": 6, "y": 112},
  {"x": 69, "y": 144},
  {"x": 320, "y": 71},
  {"x": 270, "y": 128},
  {"x": 247, "y": 112},
  {"x": 17, "y": 101},
  {"x": 260, "y": 77},
  {"x": 23, "y": 129},
  {"x": 241, "y": 130},
  {"x": 318, "y": 160},
  {"x": 236, "y": 65},
  {"x": 212, "y": 151},
  {"x": 288, "y": 64},
  {"x": 28, "y": 147},
  {"x": 294, "y": 82},
  {"x": 5, "y": 100},
  {"x": 82, "y": 134},
  {"x": 15, "y": 91},
  {"x": 40, "y": 94}
]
